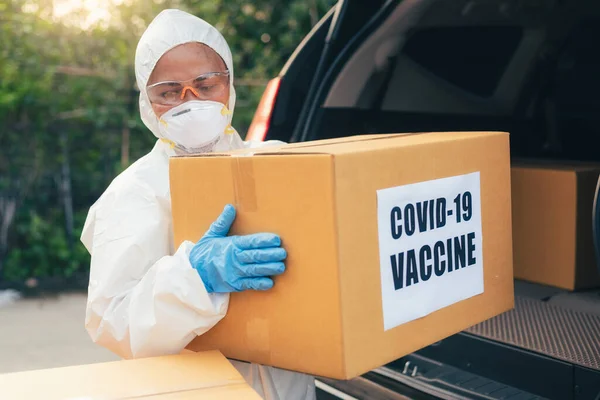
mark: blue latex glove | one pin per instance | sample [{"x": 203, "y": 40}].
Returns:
[{"x": 235, "y": 263}]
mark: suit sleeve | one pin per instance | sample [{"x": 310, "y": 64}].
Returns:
[{"x": 142, "y": 300}]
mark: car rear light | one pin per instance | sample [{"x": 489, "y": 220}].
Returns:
[{"x": 262, "y": 118}]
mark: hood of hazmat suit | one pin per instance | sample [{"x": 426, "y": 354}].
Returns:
[{"x": 144, "y": 297}]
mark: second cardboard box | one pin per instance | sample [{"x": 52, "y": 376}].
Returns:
[
  {"x": 552, "y": 223},
  {"x": 207, "y": 376}
]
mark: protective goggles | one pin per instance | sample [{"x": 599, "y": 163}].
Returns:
[{"x": 205, "y": 87}]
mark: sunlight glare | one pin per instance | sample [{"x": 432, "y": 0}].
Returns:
[{"x": 84, "y": 13}]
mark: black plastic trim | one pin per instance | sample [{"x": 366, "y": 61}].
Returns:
[
  {"x": 596, "y": 224},
  {"x": 302, "y": 131}
]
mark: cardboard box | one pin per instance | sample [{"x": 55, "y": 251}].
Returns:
[
  {"x": 345, "y": 304},
  {"x": 192, "y": 376},
  {"x": 552, "y": 224}
]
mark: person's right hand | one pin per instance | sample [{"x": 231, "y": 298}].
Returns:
[{"x": 235, "y": 263}]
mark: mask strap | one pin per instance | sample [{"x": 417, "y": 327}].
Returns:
[
  {"x": 225, "y": 111},
  {"x": 169, "y": 142},
  {"x": 229, "y": 130}
]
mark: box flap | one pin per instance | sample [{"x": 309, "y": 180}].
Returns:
[
  {"x": 347, "y": 139},
  {"x": 171, "y": 376},
  {"x": 365, "y": 143},
  {"x": 350, "y": 144},
  {"x": 287, "y": 148}
]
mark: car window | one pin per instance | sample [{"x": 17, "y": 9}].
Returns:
[
  {"x": 573, "y": 95},
  {"x": 471, "y": 58}
]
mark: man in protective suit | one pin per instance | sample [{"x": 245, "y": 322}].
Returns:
[{"x": 146, "y": 298}]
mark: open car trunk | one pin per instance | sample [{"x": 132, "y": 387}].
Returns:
[{"x": 527, "y": 67}]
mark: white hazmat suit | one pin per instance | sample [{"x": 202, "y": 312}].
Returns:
[{"x": 144, "y": 297}]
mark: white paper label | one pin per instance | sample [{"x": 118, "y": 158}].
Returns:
[{"x": 430, "y": 246}]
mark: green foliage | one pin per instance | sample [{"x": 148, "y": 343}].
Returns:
[
  {"x": 68, "y": 103},
  {"x": 44, "y": 250}
]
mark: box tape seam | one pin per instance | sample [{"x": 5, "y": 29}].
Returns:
[
  {"x": 244, "y": 187},
  {"x": 339, "y": 271},
  {"x": 258, "y": 339}
]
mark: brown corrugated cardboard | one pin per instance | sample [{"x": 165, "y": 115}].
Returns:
[
  {"x": 325, "y": 315},
  {"x": 191, "y": 376},
  {"x": 552, "y": 224}
]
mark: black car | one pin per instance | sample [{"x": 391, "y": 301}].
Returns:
[{"x": 528, "y": 67}]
